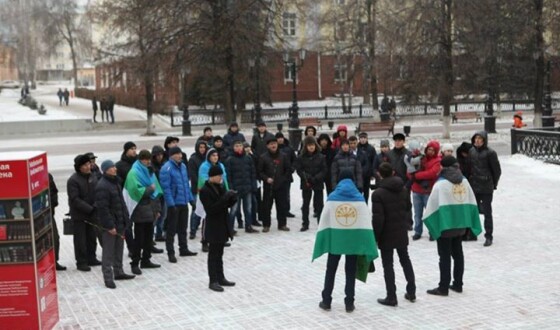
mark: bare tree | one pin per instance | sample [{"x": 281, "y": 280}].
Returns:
[{"x": 64, "y": 24}]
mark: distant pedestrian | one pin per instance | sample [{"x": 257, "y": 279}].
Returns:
[
  {"x": 60, "y": 95},
  {"x": 111, "y": 107},
  {"x": 66, "y": 95},
  {"x": 94, "y": 107},
  {"x": 451, "y": 209},
  {"x": 103, "y": 107},
  {"x": 518, "y": 120}
]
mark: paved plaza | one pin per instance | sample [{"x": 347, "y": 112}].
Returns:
[{"x": 510, "y": 285}]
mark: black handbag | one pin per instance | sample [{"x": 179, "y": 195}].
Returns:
[{"x": 67, "y": 225}]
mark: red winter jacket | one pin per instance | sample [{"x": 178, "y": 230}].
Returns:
[
  {"x": 336, "y": 142},
  {"x": 426, "y": 177}
]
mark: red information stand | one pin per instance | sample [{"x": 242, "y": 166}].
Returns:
[{"x": 28, "y": 296}]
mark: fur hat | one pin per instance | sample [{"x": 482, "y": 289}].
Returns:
[
  {"x": 80, "y": 160},
  {"x": 399, "y": 136},
  {"x": 215, "y": 170},
  {"x": 107, "y": 164}
]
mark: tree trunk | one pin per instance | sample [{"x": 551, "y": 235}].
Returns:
[
  {"x": 149, "y": 88},
  {"x": 446, "y": 49},
  {"x": 539, "y": 63},
  {"x": 74, "y": 63},
  {"x": 372, "y": 4}
]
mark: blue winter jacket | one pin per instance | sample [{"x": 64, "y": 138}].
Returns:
[{"x": 174, "y": 181}]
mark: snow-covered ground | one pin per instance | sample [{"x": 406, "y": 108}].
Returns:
[{"x": 12, "y": 111}]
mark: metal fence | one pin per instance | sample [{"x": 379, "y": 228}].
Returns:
[
  {"x": 216, "y": 116},
  {"x": 542, "y": 144}
]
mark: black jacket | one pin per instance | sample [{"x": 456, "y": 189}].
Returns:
[
  {"x": 347, "y": 160},
  {"x": 111, "y": 208},
  {"x": 396, "y": 158},
  {"x": 379, "y": 159},
  {"x": 230, "y": 138},
  {"x": 276, "y": 166},
  {"x": 389, "y": 208},
  {"x": 366, "y": 156},
  {"x": 485, "y": 167},
  {"x": 312, "y": 169},
  {"x": 147, "y": 208},
  {"x": 242, "y": 175},
  {"x": 287, "y": 150},
  {"x": 81, "y": 196},
  {"x": 193, "y": 165},
  {"x": 216, "y": 203},
  {"x": 53, "y": 194},
  {"x": 223, "y": 154},
  {"x": 258, "y": 144},
  {"x": 124, "y": 165}
]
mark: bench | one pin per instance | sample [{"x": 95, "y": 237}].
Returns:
[
  {"x": 388, "y": 126},
  {"x": 310, "y": 121},
  {"x": 465, "y": 115}
]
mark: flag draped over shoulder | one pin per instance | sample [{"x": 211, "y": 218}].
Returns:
[
  {"x": 137, "y": 180},
  {"x": 345, "y": 227},
  {"x": 451, "y": 206}
]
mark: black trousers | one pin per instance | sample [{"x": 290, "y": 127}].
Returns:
[
  {"x": 484, "y": 202},
  {"x": 317, "y": 203},
  {"x": 450, "y": 247},
  {"x": 365, "y": 189},
  {"x": 350, "y": 269},
  {"x": 143, "y": 234},
  {"x": 56, "y": 236},
  {"x": 94, "y": 115},
  {"x": 84, "y": 242},
  {"x": 215, "y": 262},
  {"x": 389, "y": 273},
  {"x": 328, "y": 184},
  {"x": 112, "y": 116},
  {"x": 176, "y": 223},
  {"x": 278, "y": 196}
]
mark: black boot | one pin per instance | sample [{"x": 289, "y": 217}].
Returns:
[
  {"x": 388, "y": 301},
  {"x": 438, "y": 292},
  {"x": 216, "y": 287}
]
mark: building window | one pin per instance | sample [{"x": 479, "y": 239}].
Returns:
[
  {"x": 289, "y": 24},
  {"x": 288, "y": 73},
  {"x": 340, "y": 73},
  {"x": 60, "y": 66}
]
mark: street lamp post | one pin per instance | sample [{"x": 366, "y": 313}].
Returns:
[
  {"x": 293, "y": 125},
  {"x": 489, "y": 118},
  {"x": 547, "y": 118},
  {"x": 254, "y": 63},
  {"x": 186, "y": 124}
]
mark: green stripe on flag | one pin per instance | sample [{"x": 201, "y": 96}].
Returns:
[{"x": 453, "y": 216}]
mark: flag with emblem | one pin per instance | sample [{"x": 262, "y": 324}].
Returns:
[
  {"x": 451, "y": 206},
  {"x": 345, "y": 227},
  {"x": 137, "y": 181}
]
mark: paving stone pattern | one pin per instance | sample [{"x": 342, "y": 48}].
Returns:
[{"x": 510, "y": 285}]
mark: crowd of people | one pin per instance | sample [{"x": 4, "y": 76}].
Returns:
[{"x": 229, "y": 184}]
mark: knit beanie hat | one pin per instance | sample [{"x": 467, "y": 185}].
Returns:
[
  {"x": 384, "y": 143},
  {"x": 107, "y": 164},
  {"x": 129, "y": 145},
  {"x": 175, "y": 150},
  {"x": 80, "y": 160},
  {"x": 448, "y": 161},
  {"x": 447, "y": 147}
]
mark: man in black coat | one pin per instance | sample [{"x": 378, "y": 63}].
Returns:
[
  {"x": 53, "y": 194},
  {"x": 396, "y": 159},
  {"x": 286, "y": 149},
  {"x": 113, "y": 217},
  {"x": 233, "y": 135},
  {"x": 95, "y": 170},
  {"x": 274, "y": 170},
  {"x": 485, "y": 174},
  {"x": 366, "y": 156},
  {"x": 196, "y": 159},
  {"x": 346, "y": 160},
  {"x": 312, "y": 170},
  {"x": 223, "y": 153},
  {"x": 325, "y": 143},
  {"x": 390, "y": 224},
  {"x": 243, "y": 179},
  {"x": 258, "y": 142},
  {"x": 81, "y": 200},
  {"x": 217, "y": 232},
  {"x": 124, "y": 165}
]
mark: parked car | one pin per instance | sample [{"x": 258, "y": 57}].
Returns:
[{"x": 10, "y": 84}]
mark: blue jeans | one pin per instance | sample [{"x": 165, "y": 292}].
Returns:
[
  {"x": 420, "y": 201},
  {"x": 161, "y": 219},
  {"x": 247, "y": 201}
]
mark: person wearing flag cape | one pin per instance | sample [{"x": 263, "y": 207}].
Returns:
[
  {"x": 451, "y": 210},
  {"x": 345, "y": 229},
  {"x": 142, "y": 194}
]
